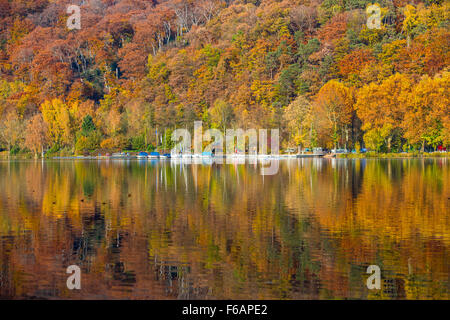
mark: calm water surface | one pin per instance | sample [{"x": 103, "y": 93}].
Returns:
[{"x": 164, "y": 230}]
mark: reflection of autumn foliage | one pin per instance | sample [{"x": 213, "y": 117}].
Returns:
[{"x": 173, "y": 231}]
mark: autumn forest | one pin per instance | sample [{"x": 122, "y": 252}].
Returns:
[{"x": 138, "y": 69}]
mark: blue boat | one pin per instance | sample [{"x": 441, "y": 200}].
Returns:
[
  {"x": 154, "y": 155},
  {"x": 142, "y": 155},
  {"x": 207, "y": 155}
]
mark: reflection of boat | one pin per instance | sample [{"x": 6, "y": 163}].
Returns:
[
  {"x": 182, "y": 160},
  {"x": 197, "y": 160},
  {"x": 236, "y": 156},
  {"x": 208, "y": 161}
]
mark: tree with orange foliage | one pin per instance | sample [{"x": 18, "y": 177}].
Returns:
[{"x": 355, "y": 61}]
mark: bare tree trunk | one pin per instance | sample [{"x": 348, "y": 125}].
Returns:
[
  {"x": 334, "y": 136},
  {"x": 346, "y": 137}
]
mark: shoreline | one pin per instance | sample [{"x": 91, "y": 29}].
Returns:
[
  {"x": 368, "y": 155},
  {"x": 400, "y": 155}
]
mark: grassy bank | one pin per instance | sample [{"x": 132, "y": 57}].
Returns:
[
  {"x": 23, "y": 155},
  {"x": 4, "y": 155}
]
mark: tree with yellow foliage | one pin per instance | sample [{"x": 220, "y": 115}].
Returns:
[
  {"x": 221, "y": 115},
  {"x": 382, "y": 106},
  {"x": 298, "y": 118},
  {"x": 428, "y": 108},
  {"x": 61, "y": 121},
  {"x": 334, "y": 104},
  {"x": 11, "y": 130}
]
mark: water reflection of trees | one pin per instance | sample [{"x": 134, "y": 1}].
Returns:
[{"x": 162, "y": 230}]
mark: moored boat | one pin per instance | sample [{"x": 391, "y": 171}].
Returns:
[
  {"x": 142, "y": 155},
  {"x": 154, "y": 155},
  {"x": 207, "y": 155},
  {"x": 119, "y": 155}
]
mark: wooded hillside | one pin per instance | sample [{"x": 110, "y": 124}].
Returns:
[{"x": 313, "y": 69}]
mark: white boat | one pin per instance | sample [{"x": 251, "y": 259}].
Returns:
[{"x": 175, "y": 155}]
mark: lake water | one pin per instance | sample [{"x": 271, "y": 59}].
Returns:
[{"x": 166, "y": 230}]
